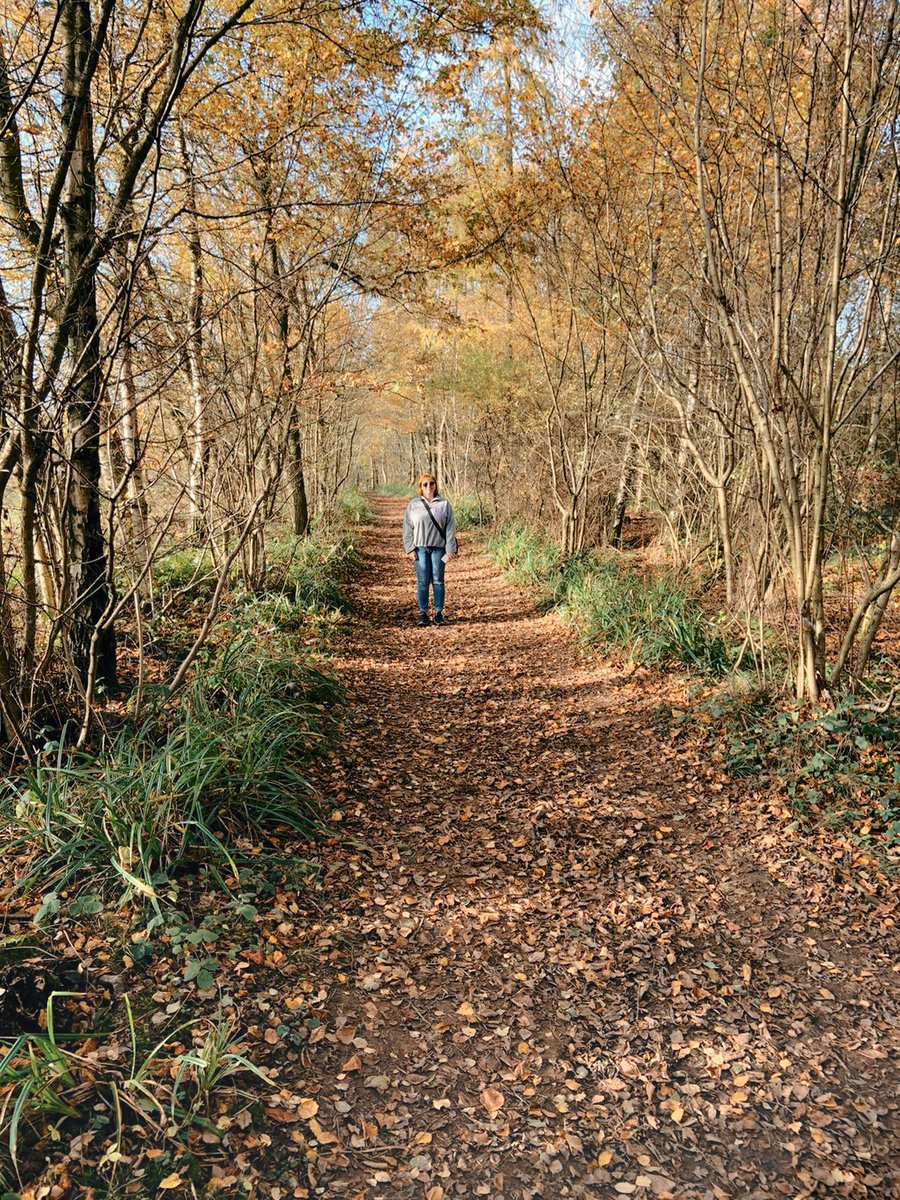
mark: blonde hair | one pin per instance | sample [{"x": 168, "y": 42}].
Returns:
[{"x": 429, "y": 477}]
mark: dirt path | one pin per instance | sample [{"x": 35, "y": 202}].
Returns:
[{"x": 554, "y": 957}]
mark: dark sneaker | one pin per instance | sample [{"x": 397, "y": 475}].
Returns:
[
  {"x": 438, "y": 618},
  {"x": 423, "y": 619}
]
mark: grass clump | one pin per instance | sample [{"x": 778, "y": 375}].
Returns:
[
  {"x": 527, "y": 559},
  {"x": 168, "y": 1094},
  {"x": 471, "y": 512},
  {"x": 655, "y": 620},
  {"x": 187, "y": 568},
  {"x": 311, "y": 571},
  {"x": 198, "y": 777},
  {"x": 183, "y": 787},
  {"x": 354, "y": 508}
]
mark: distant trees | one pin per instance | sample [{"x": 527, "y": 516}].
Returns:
[
  {"x": 243, "y": 246},
  {"x": 696, "y": 261},
  {"x": 73, "y": 159},
  {"x": 192, "y": 203}
]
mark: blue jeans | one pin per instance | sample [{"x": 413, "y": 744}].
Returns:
[{"x": 430, "y": 570}]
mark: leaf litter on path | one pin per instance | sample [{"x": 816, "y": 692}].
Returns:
[{"x": 559, "y": 956}]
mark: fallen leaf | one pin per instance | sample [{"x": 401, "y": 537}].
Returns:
[
  {"x": 284, "y": 1116},
  {"x": 171, "y": 1181},
  {"x": 660, "y": 1185},
  {"x": 492, "y": 1100},
  {"x": 323, "y": 1136}
]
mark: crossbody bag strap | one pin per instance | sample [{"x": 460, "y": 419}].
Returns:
[{"x": 435, "y": 522}]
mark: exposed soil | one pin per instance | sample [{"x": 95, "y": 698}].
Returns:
[{"x": 558, "y": 956}]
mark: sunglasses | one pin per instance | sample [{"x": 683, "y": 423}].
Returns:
[{"x": 428, "y": 483}]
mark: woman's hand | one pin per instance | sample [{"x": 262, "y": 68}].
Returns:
[{"x": 411, "y": 556}]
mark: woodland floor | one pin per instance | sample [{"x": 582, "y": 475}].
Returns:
[{"x": 558, "y": 956}]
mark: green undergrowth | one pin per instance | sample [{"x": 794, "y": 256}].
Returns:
[
  {"x": 127, "y": 1091},
  {"x": 166, "y": 850},
  {"x": 355, "y": 509},
  {"x": 308, "y": 572},
  {"x": 655, "y": 620},
  {"x": 838, "y": 769},
  {"x": 188, "y": 785},
  {"x": 471, "y": 512},
  {"x": 182, "y": 787},
  {"x": 310, "y": 569},
  {"x": 184, "y": 569}
]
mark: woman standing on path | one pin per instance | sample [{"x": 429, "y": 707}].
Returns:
[{"x": 429, "y": 539}]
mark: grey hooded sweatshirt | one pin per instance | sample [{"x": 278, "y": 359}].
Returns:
[{"x": 418, "y": 527}]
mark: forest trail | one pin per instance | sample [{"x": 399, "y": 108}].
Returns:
[{"x": 555, "y": 956}]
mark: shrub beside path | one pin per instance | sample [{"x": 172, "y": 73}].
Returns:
[{"x": 556, "y": 955}]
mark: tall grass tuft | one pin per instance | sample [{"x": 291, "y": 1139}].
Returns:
[
  {"x": 527, "y": 559},
  {"x": 194, "y": 780},
  {"x": 185, "y": 785},
  {"x": 185, "y": 569},
  {"x": 654, "y": 619},
  {"x": 311, "y": 570},
  {"x": 471, "y": 512},
  {"x": 354, "y": 508}
]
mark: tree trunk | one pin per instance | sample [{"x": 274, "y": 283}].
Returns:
[
  {"x": 876, "y": 403},
  {"x": 137, "y": 530},
  {"x": 626, "y": 474},
  {"x": 300, "y": 504},
  {"x": 724, "y": 515},
  {"x": 872, "y": 622},
  {"x": 198, "y": 436},
  {"x": 93, "y": 647}
]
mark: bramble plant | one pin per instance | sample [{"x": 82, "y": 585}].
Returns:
[{"x": 839, "y": 768}]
